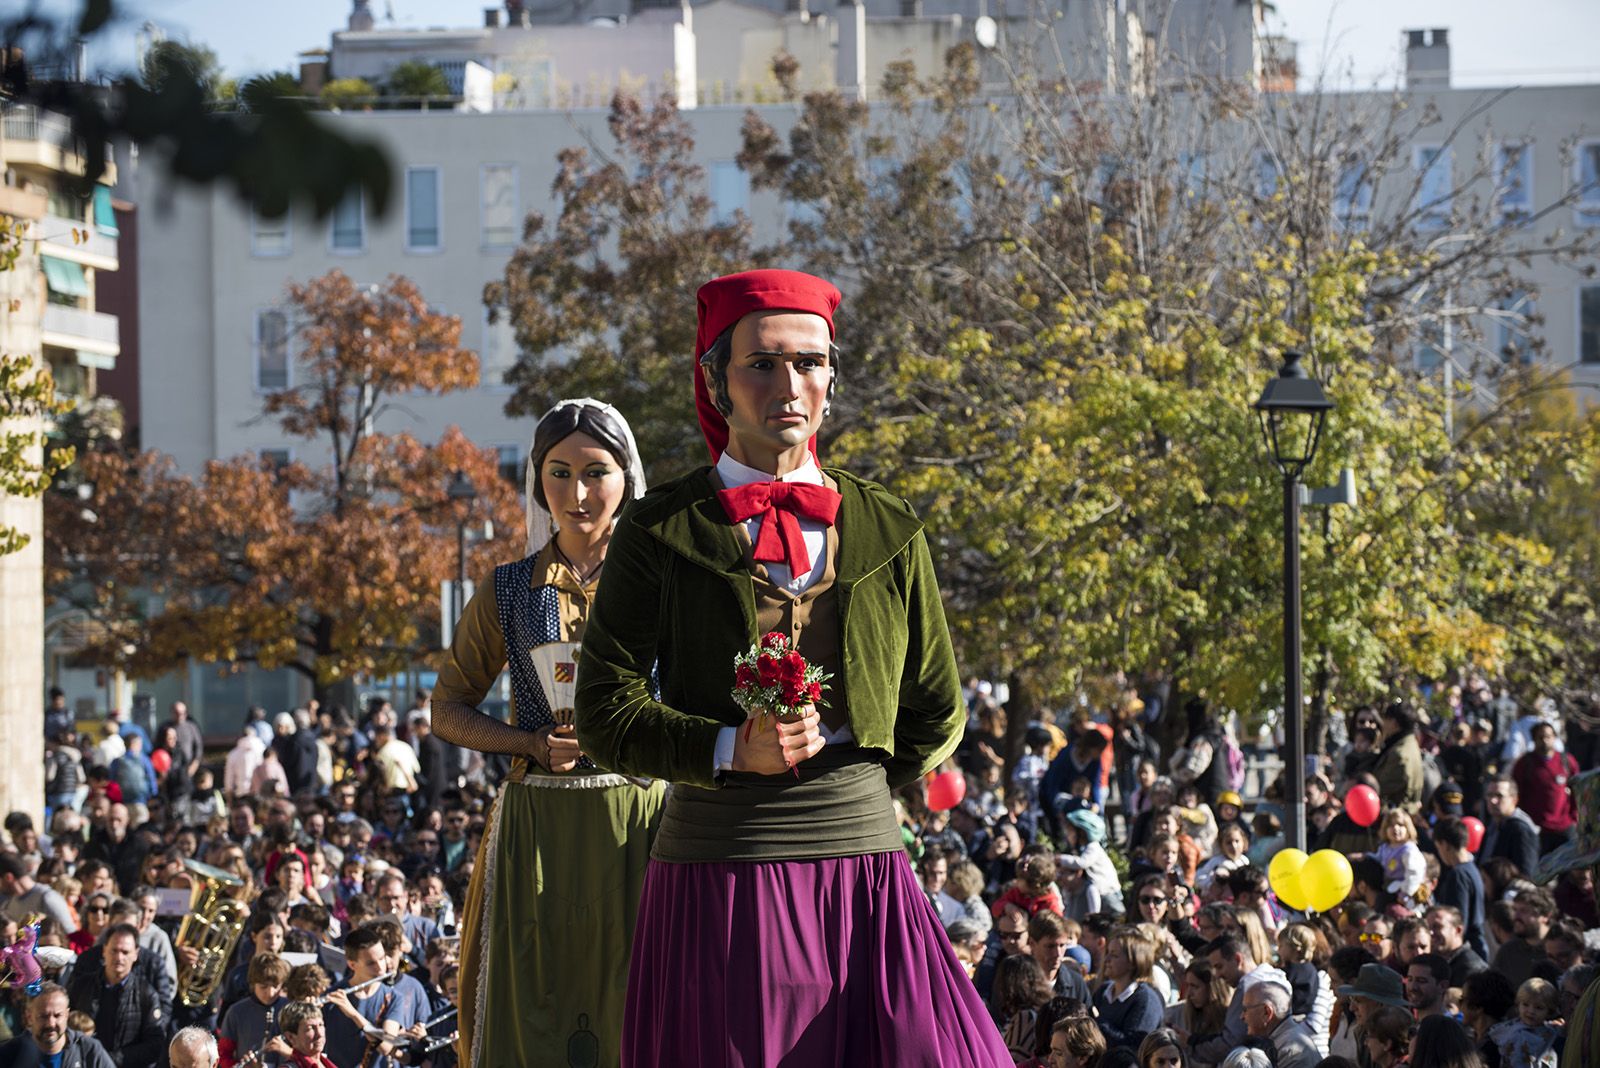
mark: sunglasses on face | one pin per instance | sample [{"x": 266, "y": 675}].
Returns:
[
  {"x": 1152, "y": 900},
  {"x": 102, "y": 909},
  {"x": 1373, "y": 938}
]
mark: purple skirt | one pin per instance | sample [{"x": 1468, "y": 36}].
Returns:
[{"x": 838, "y": 961}]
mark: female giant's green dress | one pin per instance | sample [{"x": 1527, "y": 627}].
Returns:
[{"x": 548, "y": 923}]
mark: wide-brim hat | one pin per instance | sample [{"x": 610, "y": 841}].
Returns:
[
  {"x": 1584, "y": 849},
  {"x": 1377, "y": 982}
]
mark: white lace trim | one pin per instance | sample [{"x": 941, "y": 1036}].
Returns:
[
  {"x": 574, "y": 782},
  {"x": 490, "y": 855}
]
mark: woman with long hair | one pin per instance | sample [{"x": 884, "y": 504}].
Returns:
[
  {"x": 549, "y": 915},
  {"x": 1388, "y": 1037},
  {"x": 1442, "y": 1042},
  {"x": 1202, "y": 1007},
  {"x": 1255, "y": 934},
  {"x": 1126, "y": 1004},
  {"x": 1020, "y": 990},
  {"x": 1163, "y": 1048}
]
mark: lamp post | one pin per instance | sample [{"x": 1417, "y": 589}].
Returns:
[
  {"x": 1291, "y": 410},
  {"x": 460, "y": 489}
]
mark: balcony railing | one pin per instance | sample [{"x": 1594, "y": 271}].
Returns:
[
  {"x": 75, "y": 328},
  {"x": 24, "y": 122},
  {"x": 56, "y": 232}
]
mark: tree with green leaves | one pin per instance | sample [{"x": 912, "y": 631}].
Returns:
[{"x": 1058, "y": 313}]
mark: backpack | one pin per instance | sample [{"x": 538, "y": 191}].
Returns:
[{"x": 1235, "y": 757}]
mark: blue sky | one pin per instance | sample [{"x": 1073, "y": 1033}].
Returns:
[{"x": 1356, "y": 41}]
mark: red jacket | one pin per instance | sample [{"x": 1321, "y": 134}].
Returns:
[{"x": 1542, "y": 790}]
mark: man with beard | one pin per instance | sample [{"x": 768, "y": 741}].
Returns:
[
  {"x": 47, "y": 1039},
  {"x": 1450, "y": 942},
  {"x": 1532, "y": 913}
]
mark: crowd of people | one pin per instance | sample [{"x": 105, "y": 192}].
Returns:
[
  {"x": 293, "y": 901},
  {"x": 1110, "y": 903}
]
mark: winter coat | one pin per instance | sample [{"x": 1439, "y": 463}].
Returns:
[{"x": 1399, "y": 773}]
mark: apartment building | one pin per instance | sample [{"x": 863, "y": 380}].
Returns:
[{"x": 52, "y": 317}]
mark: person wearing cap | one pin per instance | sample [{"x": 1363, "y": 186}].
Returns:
[
  {"x": 733, "y": 959},
  {"x": 548, "y": 918},
  {"x": 1230, "y": 808},
  {"x": 1084, "y": 837}
]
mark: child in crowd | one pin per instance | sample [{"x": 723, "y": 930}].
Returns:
[
  {"x": 1527, "y": 1040},
  {"x": 1230, "y": 808},
  {"x": 1403, "y": 865},
  {"x": 1196, "y": 818},
  {"x": 1139, "y": 800},
  {"x": 248, "y": 1024},
  {"x": 1233, "y": 842},
  {"x": 1034, "y": 763},
  {"x": 1079, "y": 896},
  {"x": 1033, "y": 888}
]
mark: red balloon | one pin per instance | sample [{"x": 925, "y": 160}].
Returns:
[
  {"x": 945, "y": 790},
  {"x": 1361, "y": 804},
  {"x": 1474, "y": 828}
]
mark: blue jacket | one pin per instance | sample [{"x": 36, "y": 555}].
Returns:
[{"x": 1126, "y": 1022}]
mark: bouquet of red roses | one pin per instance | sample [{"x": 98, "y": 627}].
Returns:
[{"x": 772, "y": 679}]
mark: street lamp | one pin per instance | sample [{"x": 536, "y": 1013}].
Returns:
[
  {"x": 462, "y": 490},
  {"x": 1291, "y": 410}
]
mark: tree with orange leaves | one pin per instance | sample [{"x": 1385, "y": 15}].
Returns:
[{"x": 330, "y": 569}]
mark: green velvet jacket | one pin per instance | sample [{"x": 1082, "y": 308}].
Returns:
[{"x": 677, "y": 596}]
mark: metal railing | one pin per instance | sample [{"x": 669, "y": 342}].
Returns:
[
  {"x": 57, "y": 230},
  {"x": 25, "y": 122}
]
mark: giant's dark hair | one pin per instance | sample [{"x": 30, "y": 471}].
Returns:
[
  {"x": 715, "y": 360},
  {"x": 570, "y": 419}
]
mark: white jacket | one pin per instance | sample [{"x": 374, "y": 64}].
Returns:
[{"x": 243, "y": 760}]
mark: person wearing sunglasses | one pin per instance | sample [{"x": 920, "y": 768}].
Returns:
[{"x": 96, "y": 918}]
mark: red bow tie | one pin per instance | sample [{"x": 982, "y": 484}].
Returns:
[{"x": 781, "y": 506}]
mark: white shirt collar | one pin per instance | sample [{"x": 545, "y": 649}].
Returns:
[{"x": 735, "y": 474}]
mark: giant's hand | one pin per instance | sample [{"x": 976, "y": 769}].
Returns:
[
  {"x": 556, "y": 748},
  {"x": 776, "y": 747}
]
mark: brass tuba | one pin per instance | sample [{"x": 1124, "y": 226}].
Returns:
[{"x": 212, "y": 928}]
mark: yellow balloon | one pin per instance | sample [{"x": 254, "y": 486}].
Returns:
[
  {"x": 1285, "y": 873},
  {"x": 1326, "y": 879}
]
